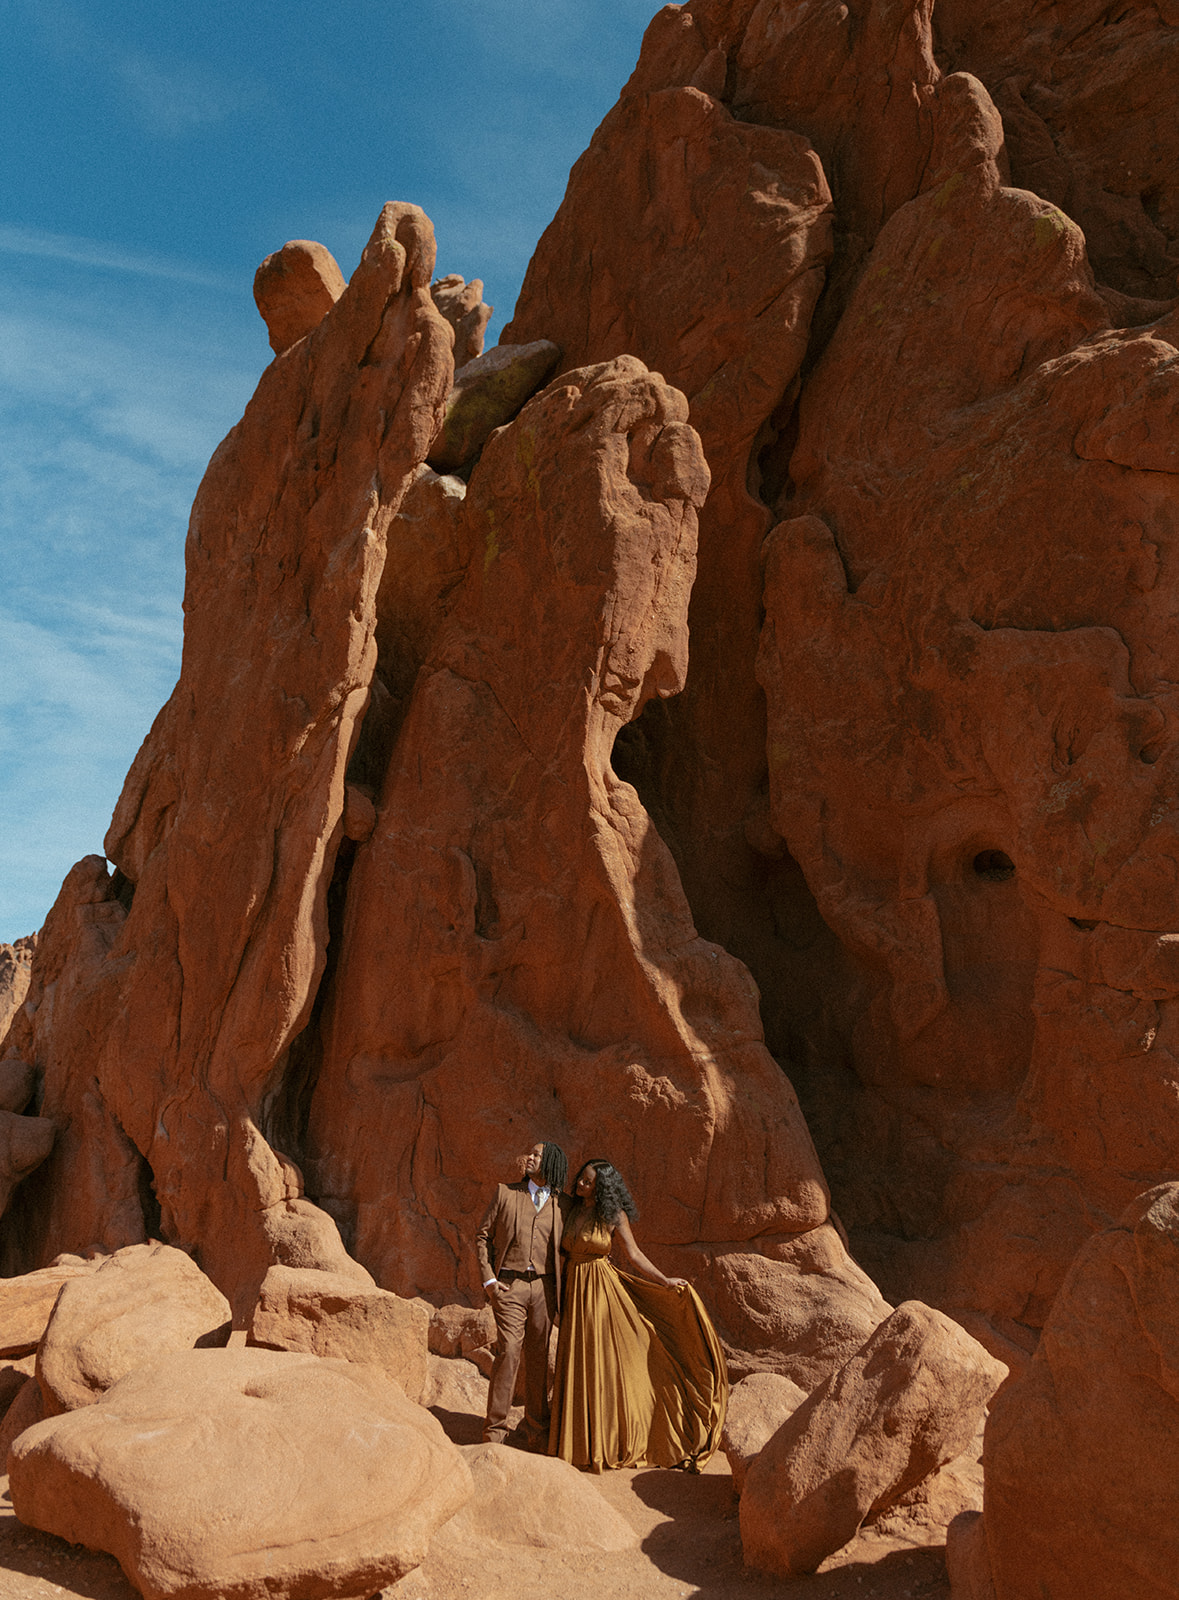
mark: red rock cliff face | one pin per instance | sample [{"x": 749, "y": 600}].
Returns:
[
  {"x": 952, "y": 872},
  {"x": 865, "y": 405},
  {"x": 548, "y": 974},
  {"x": 160, "y": 1035}
]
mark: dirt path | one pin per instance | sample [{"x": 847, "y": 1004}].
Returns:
[{"x": 689, "y": 1549}]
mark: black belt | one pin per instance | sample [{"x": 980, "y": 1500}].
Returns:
[{"x": 526, "y": 1277}]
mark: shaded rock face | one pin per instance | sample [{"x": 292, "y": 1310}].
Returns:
[
  {"x": 1086, "y": 93},
  {"x": 1081, "y": 1454}
]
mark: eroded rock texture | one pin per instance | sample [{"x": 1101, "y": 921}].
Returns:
[
  {"x": 1081, "y": 1454},
  {"x": 949, "y": 865},
  {"x": 16, "y": 961},
  {"x": 167, "y": 996},
  {"x": 697, "y": 242},
  {"x": 244, "y": 1474},
  {"x": 970, "y": 662},
  {"x": 516, "y": 952},
  {"x": 866, "y": 389}
]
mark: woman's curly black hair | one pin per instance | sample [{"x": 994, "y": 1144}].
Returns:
[
  {"x": 554, "y": 1168},
  {"x": 611, "y": 1195}
]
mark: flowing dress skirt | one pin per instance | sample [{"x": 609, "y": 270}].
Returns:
[{"x": 641, "y": 1377}]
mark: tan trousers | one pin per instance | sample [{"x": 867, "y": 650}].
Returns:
[{"x": 523, "y": 1318}]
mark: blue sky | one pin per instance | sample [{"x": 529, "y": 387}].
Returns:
[{"x": 152, "y": 155}]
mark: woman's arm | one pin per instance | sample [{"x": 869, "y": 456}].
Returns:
[{"x": 645, "y": 1268}]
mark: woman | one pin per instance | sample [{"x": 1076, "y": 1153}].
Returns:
[{"x": 640, "y": 1376}]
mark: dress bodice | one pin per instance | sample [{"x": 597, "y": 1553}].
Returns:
[{"x": 584, "y": 1238}]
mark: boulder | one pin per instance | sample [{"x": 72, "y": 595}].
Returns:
[
  {"x": 1081, "y": 1453},
  {"x": 327, "y": 1315},
  {"x": 454, "y": 1386},
  {"x": 294, "y": 290},
  {"x": 141, "y": 1302},
  {"x": 533, "y": 1500},
  {"x": 758, "y": 1406},
  {"x": 469, "y": 1331},
  {"x": 796, "y": 1304},
  {"x": 968, "y": 1564},
  {"x": 26, "y": 1302},
  {"x": 908, "y": 1402},
  {"x": 245, "y": 1475},
  {"x": 489, "y": 391}
]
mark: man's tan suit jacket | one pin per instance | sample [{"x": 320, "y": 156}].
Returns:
[{"x": 509, "y": 1218}]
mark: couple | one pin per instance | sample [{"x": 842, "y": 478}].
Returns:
[{"x": 640, "y": 1377}]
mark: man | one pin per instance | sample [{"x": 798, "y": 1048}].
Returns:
[{"x": 519, "y": 1249}]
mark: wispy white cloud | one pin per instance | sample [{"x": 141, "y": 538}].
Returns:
[{"x": 111, "y": 258}]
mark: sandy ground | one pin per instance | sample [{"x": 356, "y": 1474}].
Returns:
[{"x": 689, "y": 1549}]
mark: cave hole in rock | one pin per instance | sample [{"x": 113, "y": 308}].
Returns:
[{"x": 994, "y": 866}]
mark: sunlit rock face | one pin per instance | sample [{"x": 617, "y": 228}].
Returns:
[
  {"x": 971, "y": 663},
  {"x": 167, "y": 994},
  {"x": 516, "y": 957},
  {"x": 801, "y": 657},
  {"x": 947, "y": 860}
]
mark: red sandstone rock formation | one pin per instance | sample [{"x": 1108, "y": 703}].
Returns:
[
  {"x": 294, "y": 289},
  {"x": 386, "y": 900},
  {"x": 698, "y": 243},
  {"x": 906, "y": 1404},
  {"x": 138, "y": 1304},
  {"x": 1081, "y": 1454},
  {"x": 982, "y": 438},
  {"x": 462, "y": 306},
  {"x": 16, "y": 961},
  {"x": 970, "y": 661},
  {"x": 515, "y": 952},
  {"x": 167, "y": 996}
]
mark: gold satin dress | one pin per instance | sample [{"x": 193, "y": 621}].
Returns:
[{"x": 641, "y": 1377}]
